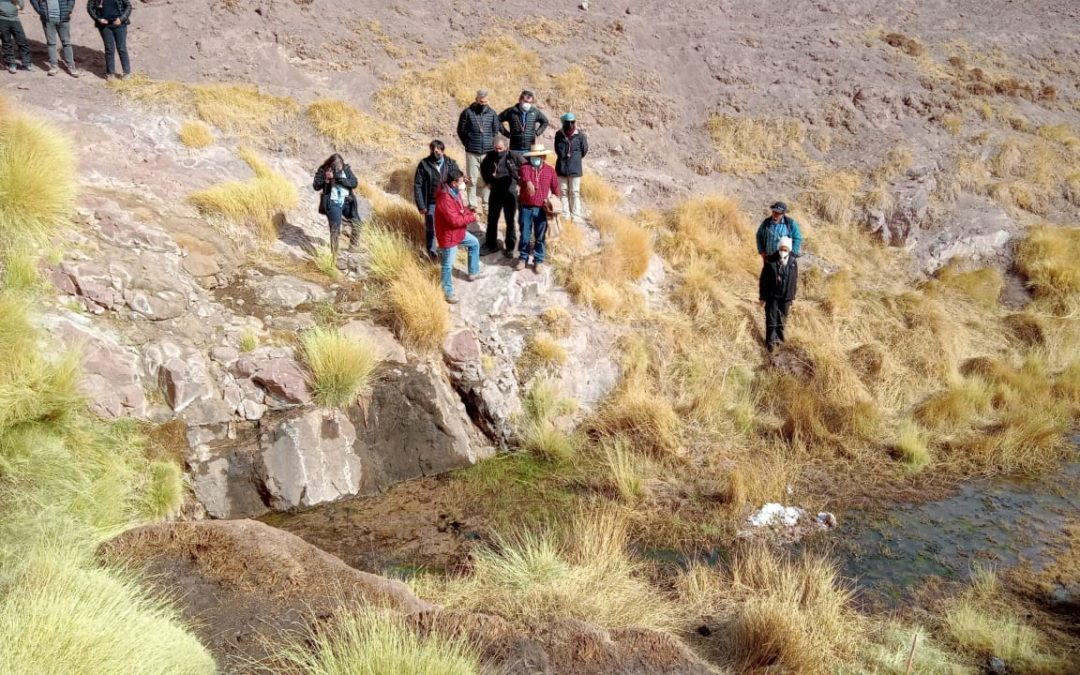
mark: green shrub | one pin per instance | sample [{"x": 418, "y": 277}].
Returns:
[{"x": 340, "y": 366}]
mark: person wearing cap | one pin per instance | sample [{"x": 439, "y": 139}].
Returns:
[
  {"x": 779, "y": 224},
  {"x": 431, "y": 172},
  {"x": 571, "y": 146},
  {"x": 523, "y": 123},
  {"x": 452, "y": 220},
  {"x": 776, "y": 290},
  {"x": 500, "y": 172},
  {"x": 477, "y": 129},
  {"x": 536, "y": 182}
]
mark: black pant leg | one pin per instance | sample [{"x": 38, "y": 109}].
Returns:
[
  {"x": 782, "y": 310},
  {"x": 494, "y": 206},
  {"x": 120, "y": 38},
  {"x": 20, "y": 40},
  {"x": 510, "y": 209},
  {"x": 109, "y": 42},
  {"x": 7, "y": 38}
]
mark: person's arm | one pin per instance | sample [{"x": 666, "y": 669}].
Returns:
[
  {"x": 36, "y": 4},
  {"x": 125, "y": 11},
  {"x": 487, "y": 167},
  {"x": 763, "y": 283},
  {"x": 796, "y": 238},
  {"x": 493, "y": 125},
  {"x": 760, "y": 237},
  {"x": 554, "y": 183},
  {"x": 320, "y": 174},
  {"x": 504, "y": 119},
  {"x": 584, "y": 144},
  {"x": 794, "y": 278},
  {"x": 463, "y": 126},
  {"x": 348, "y": 178},
  {"x": 418, "y": 188},
  {"x": 542, "y": 120},
  {"x": 91, "y": 9}
]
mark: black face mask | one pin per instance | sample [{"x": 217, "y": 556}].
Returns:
[{"x": 567, "y": 126}]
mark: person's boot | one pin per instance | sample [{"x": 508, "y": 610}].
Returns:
[
  {"x": 538, "y": 268},
  {"x": 11, "y": 68},
  {"x": 519, "y": 266},
  {"x": 73, "y": 71},
  {"x": 53, "y": 70}
]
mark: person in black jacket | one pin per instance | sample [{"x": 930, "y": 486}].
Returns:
[
  {"x": 477, "y": 129},
  {"x": 571, "y": 146},
  {"x": 500, "y": 172},
  {"x": 336, "y": 181},
  {"x": 431, "y": 172},
  {"x": 776, "y": 291},
  {"x": 13, "y": 37},
  {"x": 56, "y": 22},
  {"x": 112, "y": 18},
  {"x": 522, "y": 123}
]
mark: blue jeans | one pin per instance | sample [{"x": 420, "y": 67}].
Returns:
[
  {"x": 533, "y": 226},
  {"x": 429, "y": 227},
  {"x": 449, "y": 255},
  {"x": 115, "y": 40}
]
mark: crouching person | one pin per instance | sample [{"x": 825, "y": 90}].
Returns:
[
  {"x": 779, "y": 279},
  {"x": 452, "y": 220}
]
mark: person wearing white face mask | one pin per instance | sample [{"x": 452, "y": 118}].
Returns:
[
  {"x": 776, "y": 290},
  {"x": 523, "y": 123}
]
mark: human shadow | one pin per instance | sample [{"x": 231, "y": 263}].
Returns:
[
  {"x": 294, "y": 235},
  {"x": 87, "y": 59}
]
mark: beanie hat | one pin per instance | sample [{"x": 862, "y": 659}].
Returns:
[{"x": 785, "y": 242}]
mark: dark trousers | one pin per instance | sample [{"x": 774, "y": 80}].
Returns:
[
  {"x": 115, "y": 39},
  {"x": 12, "y": 35},
  {"x": 776, "y": 312},
  {"x": 429, "y": 229},
  {"x": 334, "y": 217},
  {"x": 501, "y": 202}
]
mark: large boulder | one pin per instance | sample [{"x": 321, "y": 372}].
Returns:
[
  {"x": 411, "y": 425},
  {"x": 181, "y": 372}
]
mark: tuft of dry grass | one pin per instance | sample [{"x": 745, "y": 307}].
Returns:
[
  {"x": 543, "y": 351},
  {"x": 753, "y": 146},
  {"x": 256, "y": 203},
  {"x": 324, "y": 260},
  {"x": 580, "y": 570},
  {"x": 714, "y": 228},
  {"x": 558, "y": 321},
  {"x": 30, "y": 149},
  {"x": 1047, "y": 258},
  {"x": 831, "y": 195},
  {"x": 904, "y": 43},
  {"x": 644, "y": 418},
  {"x": 347, "y": 127},
  {"x": 957, "y": 407},
  {"x": 630, "y": 247},
  {"x": 340, "y": 365},
  {"x": 982, "y": 286},
  {"x": 911, "y": 447},
  {"x": 417, "y": 309},
  {"x": 597, "y": 192},
  {"x": 196, "y": 134}
]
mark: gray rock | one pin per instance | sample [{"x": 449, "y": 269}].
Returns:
[
  {"x": 158, "y": 305},
  {"x": 287, "y": 292},
  {"x": 308, "y": 459},
  {"x": 225, "y": 355},
  {"x": 181, "y": 373},
  {"x": 208, "y": 411},
  {"x": 284, "y": 379},
  {"x": 390, "y": 349}
]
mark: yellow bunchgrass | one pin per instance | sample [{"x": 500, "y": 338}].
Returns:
[
  {"x": 325, "y": 261},
  {"x": 544, "y": 351},
  {"x": 911, "y": 447},
  {"x": 982, "y": 286},
  {"x": 1046, "y": 257},
  {"x": 255, "y": 204},
  {"x": 29, "y": 150},
  {"x": 558, "y": 321},
  {"x": 417, "y": 308},
  {"x": 714, "y": 228},
  {"x": 625, "y": 468},
  {"x": 347, "y": 127},
  {"x": 340, "y": 365},
  {"x": 539, "y": 430},
  {"x": 196, "y": 134},
  {"x": 598, "y": 192},
  {"x": 580, "y": 570},
  {"x": 752, "y": 146},
  {"x": 373, "y": 643},
  {"x": 630, "y": 245},
  {"x": 234, "y": 108},
  {"x": 832, "y": 195}
]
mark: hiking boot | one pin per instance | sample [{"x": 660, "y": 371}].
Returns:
[
  {"x": 508, "y": 251},
  {"x": 11, "y": 69},
  {"x": 488, "y": 250},
  {"x": 451, "y": 299},
  {"x": 74, "y": 72},
  {"x": 479, "y": 275},
  {"x": 53, "y": 70},
  {"x": 519, "y": 266},
  {"x": 538, "y": 267}
]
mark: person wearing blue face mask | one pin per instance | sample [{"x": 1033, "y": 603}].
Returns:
[
  {"x": 523, "y": 123},
  {"x": 536, "y": 181}
]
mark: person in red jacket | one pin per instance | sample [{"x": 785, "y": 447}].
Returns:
[
  {"x": 537, "y": 181},
  {"x": 452, "y": 220}
]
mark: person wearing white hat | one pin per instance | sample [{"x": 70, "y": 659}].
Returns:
[
  {"x": 571, "y": 146},
  {"x": 536, "y": 182},
  {"x": 776, "y": 290}
]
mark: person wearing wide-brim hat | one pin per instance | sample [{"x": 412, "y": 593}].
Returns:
[
  {"x": 571, "y": 146},
  {"x": 777, "y": 225},
  {"x": 536, "y": 182}
]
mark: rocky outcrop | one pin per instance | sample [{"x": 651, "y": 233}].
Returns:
[
  {"x": 411, "y": 425},
  {"x": 285, "y": 292},
  {"x": 246, "y": 586}
]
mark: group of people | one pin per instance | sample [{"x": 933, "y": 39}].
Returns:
[
  {"x": 505, "y": 176},
  {"x": 111, "y": 17},
  {"x": 506, "y": 171}
]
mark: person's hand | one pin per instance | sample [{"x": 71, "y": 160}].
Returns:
[
  {"x": 423, "y": 212},
  {"x": 761, "y": 302},
  {"x": 117, "y": 22},
  {"x": 103, "y": 22},
  {"x": 530, "y": 187}
]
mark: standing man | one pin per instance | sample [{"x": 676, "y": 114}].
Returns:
[
  {"x": 112, "y": 18},
  {"x": 536, "y": 181},
  {"x": 523, "y": 123},
  {"x": 779, "y": 224},
  {"x": 477, "y": 129},
  {"x": 431, "y": 172},
  {"x": 571, "y": 146},
  {"x": 56, "y": 21},
  {"x": 776, "y": 290},
  {"x": 500, "y": 172},
  {"x": 12, "y": 35}
]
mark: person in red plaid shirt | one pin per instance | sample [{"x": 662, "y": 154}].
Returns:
[{"x": 536, "y": 181}]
